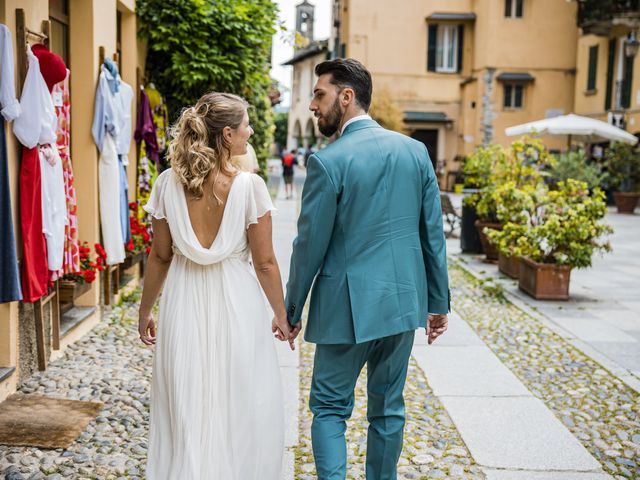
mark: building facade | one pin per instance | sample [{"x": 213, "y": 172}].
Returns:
[
  {"x": 81, "y": 32},
  {"x": 302, "y": 127},
  {"x": 463, "y": 70},
  {"x": 608, "y": 77}
]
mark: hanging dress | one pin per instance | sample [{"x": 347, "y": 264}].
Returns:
[
  {"x": 35, "y": 126},
  {"x": 62, "y": 104},
  {"x": 105, "y": 131},
  {"x": 145, "y": 136},
  {"x": 10, "y": 290}
]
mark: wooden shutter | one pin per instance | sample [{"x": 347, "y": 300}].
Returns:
[
  {"x": 431, "y": 51},
  {"x": 610, "y": 62},
  {"x": 519, "y": 8},
  {"x": 593, "y": 68},
  {"x": 627, "y": 82},
  {"x": 460, "y": 46},
  {"x": 507, "y": 8}
]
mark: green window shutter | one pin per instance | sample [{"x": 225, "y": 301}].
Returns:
[
  {"x": 431, "y": 50},
  {"x": 610, "y": 63},
  {"x": 460, "y": 46},
  {"x": 519, "y": 8},
  {"x": 593, "y": 68},
  {"x": 507, "y": 8},
  {"x": 627, "y": 82}
]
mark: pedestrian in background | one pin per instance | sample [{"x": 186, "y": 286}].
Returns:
[{"x": 289, "y": 160}]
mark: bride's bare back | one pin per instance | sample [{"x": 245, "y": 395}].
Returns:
[{"x": 205, "y": 213}]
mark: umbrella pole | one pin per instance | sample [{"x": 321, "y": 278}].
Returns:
[{"x": 569, "y": 143}]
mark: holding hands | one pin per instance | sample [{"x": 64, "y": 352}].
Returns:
[{"x": 285, "y": 332}]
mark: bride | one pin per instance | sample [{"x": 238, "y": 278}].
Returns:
[{"x": 216, "y": 406}]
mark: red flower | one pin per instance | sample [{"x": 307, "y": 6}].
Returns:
[
  {"x": 148, "y": 249},
  {"x": 89, "y": 276},
  {"x": 100, "y": 251}
]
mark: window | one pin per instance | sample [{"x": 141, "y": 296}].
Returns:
[
  {"x": 59, "y": 16},
  {"x": 447, "y": 48},
  {"x": 444, "y": 49},
  {"x": 593, "y": 68},
  {"x": 513, "y": 95},
  {"x": 513, "y": 8}
]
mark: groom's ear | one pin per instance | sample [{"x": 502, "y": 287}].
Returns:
[{"x": 347, "y": 95}]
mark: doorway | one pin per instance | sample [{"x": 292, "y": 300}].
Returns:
[{"x": 430, "y": 140}]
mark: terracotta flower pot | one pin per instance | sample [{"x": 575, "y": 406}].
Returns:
[
  {"x": 68, "y": 290},
  {"x": 490, "y": 251},
  {"x": 626, "y": 201},
  {"x": 544, "y": 281},
  {"x": 510, "y": 266}
]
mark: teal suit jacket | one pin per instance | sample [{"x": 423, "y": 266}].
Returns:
[{"x": 370, "y": 234}]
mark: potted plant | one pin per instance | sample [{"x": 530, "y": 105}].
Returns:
[
  {"x": 520, "y": 165},
  {"x": 574, "y": 165},
  {"x": 513, "y": 204},
  {"x": 622, "y": 164},
  {"x": 562, "y": 231},
  {"x": 72, "y": 285}
]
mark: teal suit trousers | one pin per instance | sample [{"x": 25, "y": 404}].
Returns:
[{"x": 336, "y": 370}]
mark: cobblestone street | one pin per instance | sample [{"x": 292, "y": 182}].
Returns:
[{"x": 501, "y": 396}]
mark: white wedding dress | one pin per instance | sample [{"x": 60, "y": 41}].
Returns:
[{"x": 216, "y": 399}]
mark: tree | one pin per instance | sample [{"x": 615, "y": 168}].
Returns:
[
  {"x": 196, "y": 46},
  {"x": 282, "y": 129},
  {"x": 386, "y": 112}
]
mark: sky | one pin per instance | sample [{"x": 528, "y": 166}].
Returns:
[{"x": 282, "y": 45}]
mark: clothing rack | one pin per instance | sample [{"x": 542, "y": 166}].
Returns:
[{"x": 22, "y": 41}]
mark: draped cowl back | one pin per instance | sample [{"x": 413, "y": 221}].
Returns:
[{"x": 248, "y": 200}]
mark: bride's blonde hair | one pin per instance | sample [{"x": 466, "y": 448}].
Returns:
[{"x": 198, "y": 145}]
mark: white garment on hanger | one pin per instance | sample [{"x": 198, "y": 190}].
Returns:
[
  {"x": 124, "y": 98},
  {"x": 54, "y": 205},
  {"x": 109, "y": 186},
  {"x": 37, "y": 123},
  {"x": 8, "y": 102}
]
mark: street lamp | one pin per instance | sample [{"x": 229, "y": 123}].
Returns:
[{"x": 631, "y": 45}]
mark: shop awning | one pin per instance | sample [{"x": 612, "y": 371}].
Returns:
[
  {"x": 515, "y": 77},
  {"x": 456, "y": 17},
  {"x": 426, "y": 117}
]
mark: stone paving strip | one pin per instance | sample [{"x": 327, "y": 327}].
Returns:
[
  {"x": 600, "y": 410},
  {"x": 108, "y": 366},
  {"x": 432, "y": 449}
]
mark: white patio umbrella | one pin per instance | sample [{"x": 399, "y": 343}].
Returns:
[{"x": 575, "y": 126}]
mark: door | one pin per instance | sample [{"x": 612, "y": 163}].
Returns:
[{"x": 430, "y": 139}]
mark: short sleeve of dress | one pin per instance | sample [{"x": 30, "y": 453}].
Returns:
[
  {"x": 258, "y": 200},
  {"x": 155, "y": 204}
]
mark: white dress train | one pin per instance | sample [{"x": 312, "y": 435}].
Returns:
[{"x": 216, "y": 398}]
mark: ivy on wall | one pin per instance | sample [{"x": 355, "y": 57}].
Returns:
[{"x": 197, "y": 46}]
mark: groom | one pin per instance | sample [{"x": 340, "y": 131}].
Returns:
[{"x": 370, "y": 235}]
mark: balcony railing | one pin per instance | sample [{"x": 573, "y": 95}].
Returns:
[{"x": 596, "y": 16}]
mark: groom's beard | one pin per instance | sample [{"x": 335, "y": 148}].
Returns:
[{"x": 328, "y": 124}]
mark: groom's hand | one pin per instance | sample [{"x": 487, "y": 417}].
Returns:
[{"x": 437, "y": 325}]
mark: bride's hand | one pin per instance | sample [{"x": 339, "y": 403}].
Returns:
[
  {"x": 282, "y": 330},
  {"x": 147, "y": 329}
]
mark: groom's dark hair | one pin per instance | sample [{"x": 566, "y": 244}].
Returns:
[{"x": 347, "y": 72}]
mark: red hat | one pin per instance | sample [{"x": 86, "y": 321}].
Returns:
[{"x": 52, "y": 66}]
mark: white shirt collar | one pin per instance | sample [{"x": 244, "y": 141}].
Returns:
[{"x": 354, "y": 119}]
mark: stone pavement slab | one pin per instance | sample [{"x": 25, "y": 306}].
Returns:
[
  {"x": 517, "y": 433},
  {"x": 532, "y": 475}
]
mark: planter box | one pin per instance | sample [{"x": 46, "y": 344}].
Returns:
[
  {"x": 131, "y": 259},
  {"x": 544, "y": 281},
  {"x": 69, "y": 290},
  {"x": 510, "y": 266},
  {"x": 626, "y": 201},
  {"x": 490, "y": 251}
]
